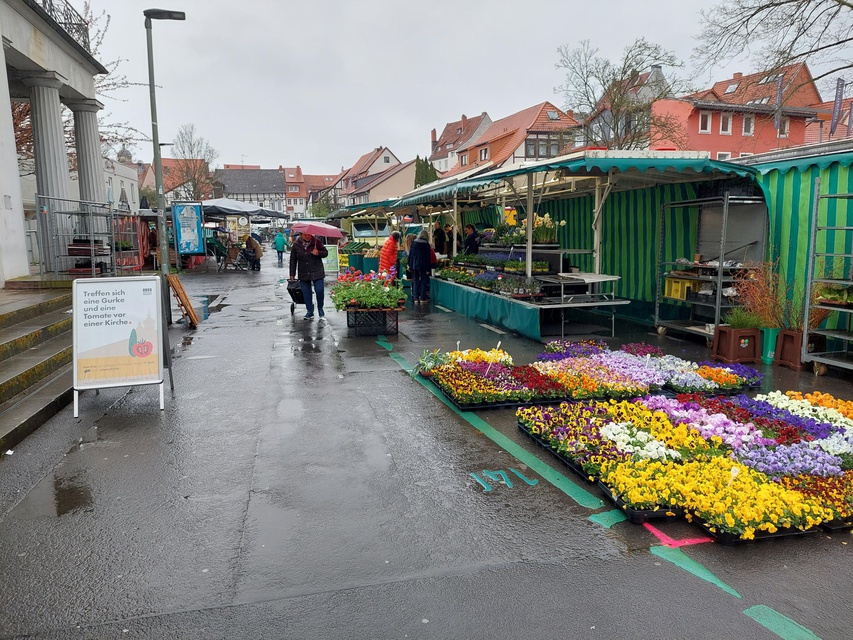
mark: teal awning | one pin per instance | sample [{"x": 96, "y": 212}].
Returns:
[
  {"x": 802, "y": 164},
  {"x": 387, "y": 204},
  {"x": 600, "y": 166}
]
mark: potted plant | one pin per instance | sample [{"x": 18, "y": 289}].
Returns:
[
  {"x": 789, "y": 345},
  {"x": 759, "y": 291},
  {"x": 428, "y": 361},
  {"x": 739, "y": 339}
]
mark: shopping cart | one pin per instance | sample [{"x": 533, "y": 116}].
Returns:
[{"x": 295, "y": 291}]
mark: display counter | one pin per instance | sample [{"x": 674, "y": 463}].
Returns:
[{"x": 522, "y": 317}]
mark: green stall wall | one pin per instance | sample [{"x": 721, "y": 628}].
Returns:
[{"x": 629, "y": 224}]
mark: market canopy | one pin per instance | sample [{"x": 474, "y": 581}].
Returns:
[
  {"x": 229, "y": 207},
  {"x": 635, "y": 169}
]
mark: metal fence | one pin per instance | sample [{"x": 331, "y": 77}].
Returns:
[{"x": 66, "y": 16}]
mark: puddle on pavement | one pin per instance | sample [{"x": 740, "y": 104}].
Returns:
[
  {"x": 205, "y": 303},
  {"x": 71, "y": 494}
]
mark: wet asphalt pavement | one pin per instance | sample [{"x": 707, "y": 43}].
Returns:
[{"x": 300, "y": 484}]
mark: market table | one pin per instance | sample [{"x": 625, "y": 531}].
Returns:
[
  {"x": 520, "y": 316},
  {"x": 589, "y": 298}
]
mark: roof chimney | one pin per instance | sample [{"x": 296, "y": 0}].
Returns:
[
  {"x": 737, "y": 76},
  {"x": 433, "y": 138},
  {"x": 464, "y": 121}
]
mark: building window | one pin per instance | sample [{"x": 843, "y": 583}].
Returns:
[
  {"x": 387, "y": 160},
  {"x": 290, "y": 201},
  {"x": 553, "y": 115},
  {"x": 732, "y": 87},
  {"x": 723, "y": 155},
  {"x": 784, "y": 125},
  {"x": 484, "y": 153},
  {"x": 725, "y": 124},
  {"x": 705, "y": 118},
  {"x": 463, "y": 160},
  {"x": 133, "y": 192},
  {"x": 748, "y": 125},
  {"x": 745, "y": 155},
  {"x": 293, "y": 188}
]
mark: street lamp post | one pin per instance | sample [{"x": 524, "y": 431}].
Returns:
[{"x": 162, "y": 240}]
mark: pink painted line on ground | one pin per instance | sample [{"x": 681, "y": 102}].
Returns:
[{"x": 672, "y": 542}]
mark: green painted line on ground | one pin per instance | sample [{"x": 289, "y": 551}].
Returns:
[
  {"x": 396, "y": 357},
  {"x": 781, "y": 625},
  {"x": 576, "y": 493},
  {"x": 382, "y": 341},
  {"x": 608, "y": 518},
  {"x": 680, "y": 559}
]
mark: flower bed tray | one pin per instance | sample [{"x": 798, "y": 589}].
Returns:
[
  {"x": 732, "y": 539},
  {"x": 639, "y": 516},
  {"x": 373, "y": 322},
  {"x": 571, "y": 464},
  {"x": 478, "y": 406},
  {"x": 837, "y": 525}
]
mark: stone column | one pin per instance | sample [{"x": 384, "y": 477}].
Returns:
[
  {"x": 48, "y": 135},
  {"x": 51, "y": 158},
  {"x": 90, "y": 164}
]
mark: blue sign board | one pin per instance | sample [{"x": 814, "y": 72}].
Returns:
[{"x": 187, "y": 222}]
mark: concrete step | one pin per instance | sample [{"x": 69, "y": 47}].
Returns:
[
  {"x": 19, "y": 306},
  {"x": 26, "y": 369},
  {"x": 27, "y": 411},
  {"x": 31, "y": 332}
]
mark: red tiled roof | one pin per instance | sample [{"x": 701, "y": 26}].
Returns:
[
  {"x": 798, "y": 89},
  {"x": 514, "y": 129},
  {"x": 456, "y": 134}
]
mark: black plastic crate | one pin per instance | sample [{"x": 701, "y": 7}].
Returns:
[{"x": 373, "y": 322}]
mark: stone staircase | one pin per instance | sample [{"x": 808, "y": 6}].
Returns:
[{"x": 35, "y": 360}]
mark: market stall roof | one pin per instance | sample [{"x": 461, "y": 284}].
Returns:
[
  {"x": 227, "y": 206},
  {"x": 627, "y": 170},
  {"x": 441, "y": 190}
]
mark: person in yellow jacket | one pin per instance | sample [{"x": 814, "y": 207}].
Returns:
[
  {"x": 256, "y": 254},
  {"x": 388, "y": 255}
]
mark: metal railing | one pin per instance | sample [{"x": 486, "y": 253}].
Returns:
[{"x": 67, "y": 17}]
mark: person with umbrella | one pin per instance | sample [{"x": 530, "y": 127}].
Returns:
[{"x": 306, "y": 265}]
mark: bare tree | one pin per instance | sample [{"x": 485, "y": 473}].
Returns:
[
  {"x": 614, "y": 98},
  {"x": 778, "y": 33},
  {"x": 189, "y": 175}
]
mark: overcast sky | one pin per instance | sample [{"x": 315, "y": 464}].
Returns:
[{"x": 318, "y": 84}]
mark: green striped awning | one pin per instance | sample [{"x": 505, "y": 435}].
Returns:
[{"x": 670, "y": 169}]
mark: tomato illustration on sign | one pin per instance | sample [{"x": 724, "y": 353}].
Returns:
[{"x": 142, "y": 349}]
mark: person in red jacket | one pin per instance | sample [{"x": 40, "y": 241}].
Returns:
[{"x": 388, "y": 255}]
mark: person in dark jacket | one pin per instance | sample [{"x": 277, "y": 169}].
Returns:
[
  {"x": 306, "y": 264},
  {"x": 420, "y": 262},
  {"x": 439, "y": 238},
  {"x": 472, "y": 242}
]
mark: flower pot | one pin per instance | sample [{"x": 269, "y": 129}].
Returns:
[
  {"x": 736, "y": 346},
  {"x": 789, "y": 347},
  {"x": 768, "y": 345}
]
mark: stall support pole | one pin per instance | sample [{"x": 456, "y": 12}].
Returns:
[
  {"x": 455, "y": 231},
  {"x": 529, "y": 265}
]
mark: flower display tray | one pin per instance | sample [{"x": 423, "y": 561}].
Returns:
[
  {"x": 639, "y": 516},
  {"x": 478, "y": 406},
  {"x": 837, "y": 525},
  {"x": 566, "y": 460},
  {"x": 731, "y": 539}
]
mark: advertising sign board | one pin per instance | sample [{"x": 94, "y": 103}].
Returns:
[
  {"x": 118, "y": 332},
  {"x": 187, "y": 217}
]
